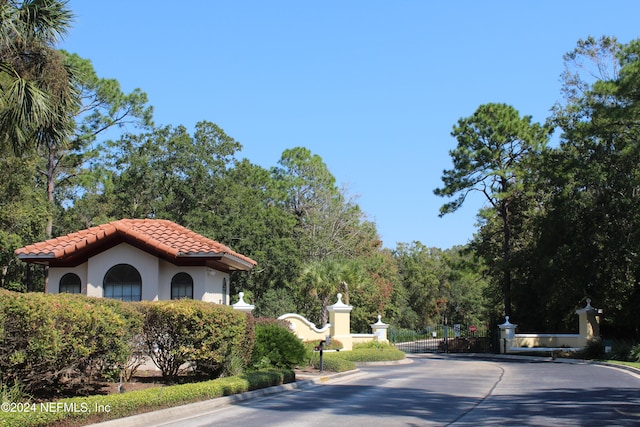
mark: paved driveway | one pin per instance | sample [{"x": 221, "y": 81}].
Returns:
[{"x": 439, "y": 390}]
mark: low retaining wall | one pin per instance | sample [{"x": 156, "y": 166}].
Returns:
[
  {"x": 339, "y": 326},
  {"x": 549, "y": 340},
  {"x": 588, "y": 326},
  {"x": 304, "y": 329}
]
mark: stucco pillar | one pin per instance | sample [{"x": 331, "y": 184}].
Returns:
[
  {"x": 380, "y": 330},
  {"x": 589, "y": 328},
  {"x": 243, "y": 306},
  {"x": 340, "y": 321},
  {"x": 507, "y": 334}
]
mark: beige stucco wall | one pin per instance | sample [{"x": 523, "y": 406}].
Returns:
[
  {"x": 55, "y": 274},
  {"x": 304, "y": 329},
  {"x": 146, "y": 264},
  {"x": 549, "y": 340},
  {"x": 156, "y": 275},
  {"x": 588, "y": 326},
  {"x": 362, "y": 338}
]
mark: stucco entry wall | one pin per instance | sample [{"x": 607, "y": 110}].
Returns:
[{"x": 146, "y": 264}]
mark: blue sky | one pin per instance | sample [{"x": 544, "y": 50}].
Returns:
[{"x": 373, "y": 87}]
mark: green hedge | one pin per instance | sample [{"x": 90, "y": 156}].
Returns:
[
  {"x": 275, "y": 345},
  {"x": 333, "y": 362},
  {"x": 49, "y": 341},
  {"x": 92, "y": 409},
  {"x": 217, "y": 339},
  {"x": 373, "y": 355},
  {"x": 341, "y": 361},
  {"x": 52, "y": 342}
]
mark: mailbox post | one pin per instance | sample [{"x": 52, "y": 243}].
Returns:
[{"x": 320, "y": 348}]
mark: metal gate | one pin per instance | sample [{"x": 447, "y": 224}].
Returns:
[{"x": 444, "y": 339}]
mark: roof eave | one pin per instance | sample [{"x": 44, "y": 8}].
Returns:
[
  {"x": 37, "y": 258},
  {"x": 233, "y": 262}
]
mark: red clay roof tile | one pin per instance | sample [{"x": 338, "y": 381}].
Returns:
[{"x": 160, "y": 235}]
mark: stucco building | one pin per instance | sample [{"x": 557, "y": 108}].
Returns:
[{"x": 138, "y": 259}]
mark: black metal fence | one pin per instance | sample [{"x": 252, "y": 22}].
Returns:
[{"x": 444, "y": 339}]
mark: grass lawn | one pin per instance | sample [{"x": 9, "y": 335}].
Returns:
[{"x": 619, "y": 362}]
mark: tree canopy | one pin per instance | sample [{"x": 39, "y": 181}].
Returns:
[{"x": 559, "y": 224}]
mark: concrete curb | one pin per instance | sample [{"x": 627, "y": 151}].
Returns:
[
  {"x": 176, "y": 413},
  {"x": 488, "y": 356},
  {"x": 386, "y": 362}
]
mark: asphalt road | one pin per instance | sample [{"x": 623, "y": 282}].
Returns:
[{"x": 445, "y": 390}]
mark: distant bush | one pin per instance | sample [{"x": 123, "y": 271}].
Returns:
[
  {"x": 276, "y": 346},
  {"x": 211, "y": 337},
  {"x": 334, "y": 362},
  {"x": 593, "y": 350},
  {"x": 378, "y": 345},
  {"x": 634, "y": 353},
  {"x": 372, "y": 354},
  {"x": 51, "y": 341}
]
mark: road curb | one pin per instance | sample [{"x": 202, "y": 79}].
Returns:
[
  {"x": 167, "y": 415},
  {"x": 550, "y": 359}
]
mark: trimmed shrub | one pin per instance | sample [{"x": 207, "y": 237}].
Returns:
[
  {"x": 211, "y": 337},
  {"x": 276, "y": 346},
  {"x": 373, "y": 354},
  {"x": 334, "y": 362},
  {"x": 52, "y": 341},
  {"x": 134, "y": 402}
]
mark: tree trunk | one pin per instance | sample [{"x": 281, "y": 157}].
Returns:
[
  {"x": 51, "y": 170},
  {"x": 506, "y": 259}
]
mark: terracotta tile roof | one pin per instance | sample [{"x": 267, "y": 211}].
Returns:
[{"x": 163, "y": 237}]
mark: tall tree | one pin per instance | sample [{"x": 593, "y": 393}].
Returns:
[
  {"x": 596, "y": 179},
  {"x": 33, "y": 77},
  {"x": 330, "y": 223},
  {"x": 494, "y": 147}
]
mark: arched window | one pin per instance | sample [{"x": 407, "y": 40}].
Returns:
[
  {"x": 70, "y": 284},
  {"x": 181, "y": 286},
  {"x": 123, "y": 282},
  {"x": 224, "y": 290}
]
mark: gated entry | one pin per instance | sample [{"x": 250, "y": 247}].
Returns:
[{"x": 443, "y": 339}]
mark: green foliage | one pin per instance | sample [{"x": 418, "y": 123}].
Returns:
[
  {"x": 274, "y": 303},
  {"x": 440, "y": 284},
  {"x": 13, "y": 394},
  {"x": 277, "y": 346},
  {"x": 341, "y": 361},
  {"x": 634, "y": 353},
  {"x": 34, "y": 82},
  {"x": 134, "y": 402},
  {"x": 378, "y": 345},
  {"x": 53, "y": 341},
  {"x": 333, "y": 362},
  {"x": 383, "y": 353},
  {"x": 494, "y": 155},
  {"x": 208, "y": 336}
]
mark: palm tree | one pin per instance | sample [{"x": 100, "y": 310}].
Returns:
[
  {"x": 35, "y": 85},
  {"x": 320, "y": 281}
]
